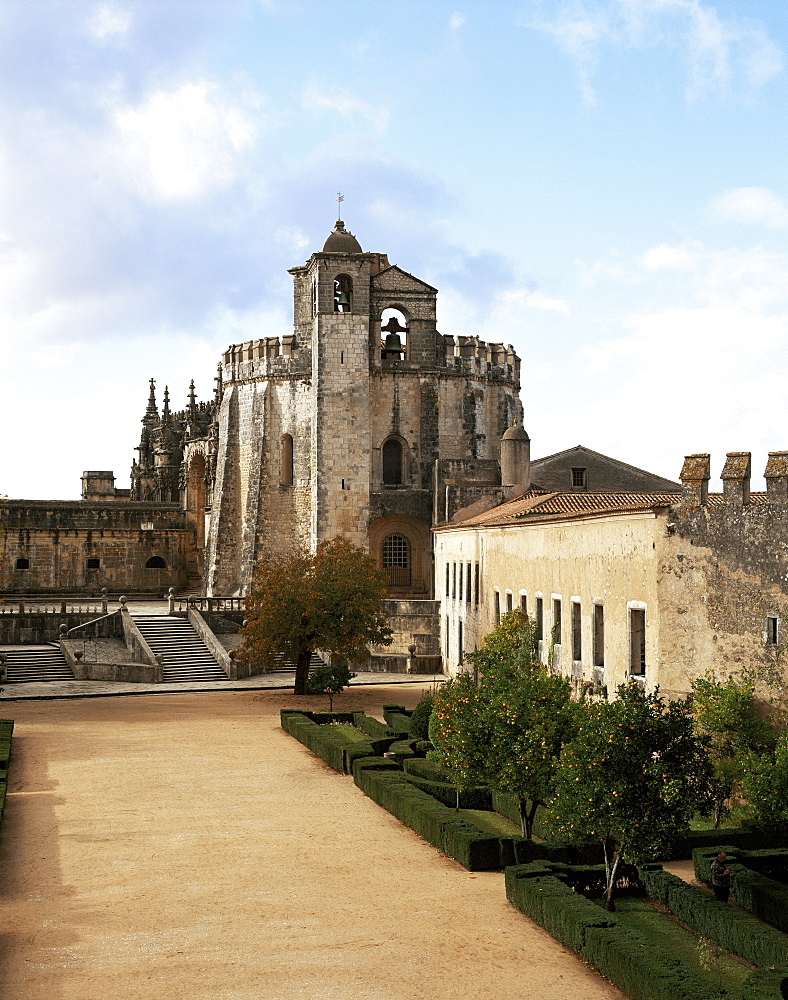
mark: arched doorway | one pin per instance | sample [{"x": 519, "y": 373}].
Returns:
[
  {"x": 401, "y": 545},
  {"x": 395, "y": 557}
]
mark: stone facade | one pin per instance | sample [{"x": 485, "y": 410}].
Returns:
[{"x": 658, "y": 586}]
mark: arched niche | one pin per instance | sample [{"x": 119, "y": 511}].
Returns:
[
  {"x": 286, "y": 460},
  {"x": 394, "y": 334},
  {"x": 400, "y": 544},
  {"x": 343, "y": 293},
  {"x": 156, "y": 562}
]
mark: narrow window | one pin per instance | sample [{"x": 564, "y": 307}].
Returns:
[
  {"x": 557, "y": 619},
  {"x": 497, "y": 607},
  {"x": 579, "y": 479},
  {"x": 459, "y": 585},
  {"x": 459, "y": 642},
  {"x": 446, "y": 590},
  {"x": 524, "y": 604},
  {"x": 392, "y": 463},
  {"x": 467, "y": 583},
  {"x": 23, "y": 564},
  {"x": 599, "y": 635},
  {"x": 637, "y": 642},
  {"x": 446, "y": 639},
  {"x": 155, "y": 562},
  {"x": 539, "y": 618},
  {"x": 508, "y": 602},
  {"x": 286, "y": 461},
  {"x": 772, "y": 630},
  {"x": 577, "y": 641},
  {"x": 454, "y": 581},
  {"x": 94, "y": 564},
  {"x": 476, "y": 584},
  {"x": 396, "y": 560}
]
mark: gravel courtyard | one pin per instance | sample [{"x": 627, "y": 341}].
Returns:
[{"x": 183, "y": 846}]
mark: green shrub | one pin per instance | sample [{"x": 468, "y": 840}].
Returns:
[
  {"x": 476, "y": 797},
  {"x": 766, "y": 984},
  {"x": 373, "y": 728},
  {"x": 420, "y": 718},
  {"x": 430, "y": 770},
  {"x": 326, "y": 741}
]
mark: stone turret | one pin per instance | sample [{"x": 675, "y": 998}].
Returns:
[{"x": 516, "y": 459}]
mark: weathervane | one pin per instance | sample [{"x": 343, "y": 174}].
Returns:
[{"x": 340, "y": 199}]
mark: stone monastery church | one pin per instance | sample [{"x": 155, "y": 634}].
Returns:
[{"x": 366, "y": 422}]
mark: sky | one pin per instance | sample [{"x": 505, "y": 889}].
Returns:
[{"x": 600, "y": 183}]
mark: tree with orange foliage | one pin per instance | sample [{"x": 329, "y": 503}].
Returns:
[{"x": 329, "y": 600}]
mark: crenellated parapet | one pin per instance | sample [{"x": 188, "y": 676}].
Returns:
[{"x": 470, "y": 355}]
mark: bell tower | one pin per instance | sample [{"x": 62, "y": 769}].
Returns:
[{"x": 333, "y": 305}]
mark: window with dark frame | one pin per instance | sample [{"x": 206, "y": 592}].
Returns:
[
  {"x": 392, "y": 463},
  {"x": 577, "y": 632},
  {"x": 476, "y": 584},
  {"x": 459, "y": 582},
  {"x": 599, "y": 635},
  {"x": 539, "y": 618},
  {"x": 446, "y": 591},
  {"x": 637, "y": 642},
  {"x": 508, "y": 603},
  {"x": 579, "y": 479},
  {"x": 524, "y": 604},
  {"x": 467, "y": 583},
  {"x": 772, "y": 630},
  {"x": 459, "y": 642},
  {"x": 454, "y": 581},
  {"x": 557, "y": 619},
  {"x": 93, "y": 563},
  {"x": 497, "y": 612},
  {"x": 23, "y": 564},
  {"x": 396, "y": 560}
]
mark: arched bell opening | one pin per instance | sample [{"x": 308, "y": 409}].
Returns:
[
  {"x": 394, "y": 334},
  {"x": 343, "y": 293}
]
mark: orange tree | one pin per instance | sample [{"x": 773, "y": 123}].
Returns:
[
  {"x": 632, "y": 778},
  {"x": 329, "y": 600}
]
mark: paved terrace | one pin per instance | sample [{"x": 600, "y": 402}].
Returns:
[{"x": 185, "y": 846}]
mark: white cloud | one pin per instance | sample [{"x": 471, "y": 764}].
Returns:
[
  {"x": 185, "y": 143},
  {"x": 669, "y": 258},
  {"x": 723, "y": 54},
  {"x": 109, "y": 20},
  {"x": 456, "y": 21},
  {"x": 314, "y": 97},
  {"x": 750, "y": 206}
]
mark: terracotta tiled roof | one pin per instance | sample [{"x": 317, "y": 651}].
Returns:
[{"x": 536, "y": 504}]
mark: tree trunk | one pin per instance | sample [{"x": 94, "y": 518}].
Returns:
[
  {"x": 611, "y": 870},
  {"x": 527, "y": 817},
  {"x": 302, "y": 672}
]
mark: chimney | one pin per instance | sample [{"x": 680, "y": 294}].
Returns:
[
  {"x": 736, "y": 478},
  {"x": 695, "y": 476},
  {"x": 776, "y": 477}
]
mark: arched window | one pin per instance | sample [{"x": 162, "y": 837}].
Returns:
[
  {"x": 392, "y": 463},
  {"x": 286, "y": 461},
  {"x": 155, "y": 562},
  {"x": 343, "y": 293},
  {"x": 396, "y": 560}
]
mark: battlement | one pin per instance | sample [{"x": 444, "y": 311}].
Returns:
[
  {"x": 470, "y": 353},
  {"x": 735, "y": 475}
]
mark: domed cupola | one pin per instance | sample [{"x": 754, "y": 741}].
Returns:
[{"x": 341, "y": 241}]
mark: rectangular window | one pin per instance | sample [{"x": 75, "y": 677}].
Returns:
[
  {"x": 459, "y": 583},
  {"x": 467, "y": 583},
  {"x": 446, "y": 637},
  {"x": 524, "y": 604},
  {"x": 599, "y": 635},
  {"x": 556, "y": 636},
  {"x": 508, "y": 603},
  {"x": 772, "y": 630},
  {"x": 497, "y": 607},
  {"x": 579, "y": 479},
  {"x": 637, "y": 642},
  {"x": 23, "y": 564},
  {"x": 94, "y": 564},
  {"x": 539, "y": 618},
  {"x": 459, "y": 642},
  {"x": 446, "y": 591},
  {"x": 454, "y": 581},
  {"x": 476, "y": 584},
  {"x": 577, "y": 632}
]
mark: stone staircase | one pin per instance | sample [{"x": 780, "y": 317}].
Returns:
[
  {"x": 35, "y": 664},
  {"x": 184, "y": 656}
]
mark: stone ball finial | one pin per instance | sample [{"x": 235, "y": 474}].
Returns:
[
  {"x": 63, "y": 629},
  {"x": 122, "y": 601}
]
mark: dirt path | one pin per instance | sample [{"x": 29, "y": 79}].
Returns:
[{"x": 183, "y": 846}]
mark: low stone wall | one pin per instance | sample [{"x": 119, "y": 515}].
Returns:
[{"x": 36, "y": 628}]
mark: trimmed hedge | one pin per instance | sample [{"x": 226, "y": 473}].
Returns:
[
  {"x": 766, "y": 984},
  {"x": 763, "y": 897},
  {"x": 397, "y": 717},
  {"x": 435, "y": 822},
  {"x": 6, "y": 732},
  {"x": 377, "y": 730},
  {"x": 476, "y": 797},
  {"x": 740, "y": 933},
  {"x": 330, "y": 744},
  {"x": 629, "y": 959}
]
